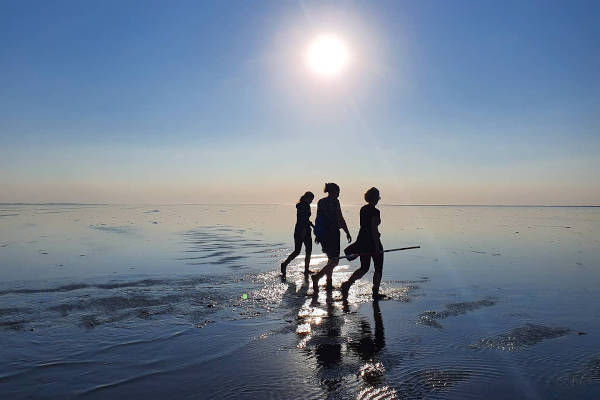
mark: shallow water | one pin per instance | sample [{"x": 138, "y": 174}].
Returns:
[{"x": 186, "y": 302}]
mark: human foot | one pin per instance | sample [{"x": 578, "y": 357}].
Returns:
[
  {"x": 344, "y": 289},
  {"x": 377, "y": 296}
]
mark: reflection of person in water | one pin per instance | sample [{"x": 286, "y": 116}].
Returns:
[
  {"x": 339, "y": 341},
  {"x": 328, "y": 339},
  {"x": 301, "y": 232},
  {"x": 368, "y": 244},
  {"x": 328, "y": 350},
  {"x": 328, "y": 223},
  {"x": 368, "y": 346}
]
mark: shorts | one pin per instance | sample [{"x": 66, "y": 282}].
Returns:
[{"x": 331, "y": 244}]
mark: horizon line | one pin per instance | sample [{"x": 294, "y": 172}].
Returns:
[{"x": 284, "y": 203}]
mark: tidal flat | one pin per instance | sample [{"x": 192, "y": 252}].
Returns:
[{"x": 186, "y": 301}]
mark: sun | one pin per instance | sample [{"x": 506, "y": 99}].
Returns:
[{"x": 327, "y": 55}]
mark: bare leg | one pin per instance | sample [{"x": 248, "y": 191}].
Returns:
[
  {"x": 378, "y": 261},
  {"x": 326, "y": 270},
  {"x": 365, "y": 262},
  {"x": 297, "y": 248},
  {"x": 308, "y": 250},
  {"x": 332, "y": 262}
]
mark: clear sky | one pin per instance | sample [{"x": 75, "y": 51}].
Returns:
[{"x": 439, "y": 102}]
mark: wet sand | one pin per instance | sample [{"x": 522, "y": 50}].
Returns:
[{"x": 186, "y": 301}]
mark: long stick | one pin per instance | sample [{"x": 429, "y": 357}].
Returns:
[{"x": 379, "y": 252}]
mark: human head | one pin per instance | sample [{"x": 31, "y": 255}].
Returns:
[
  {"x": 372, "y": 196},
  {"x": 332, "y": 188},
  {"x": 307, "y": 197}
]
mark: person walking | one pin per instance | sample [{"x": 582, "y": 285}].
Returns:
[
  {"x": 368, "y": 244},
  {"x": 301, "y": 233},
  {"x": 327, "y": 232}
]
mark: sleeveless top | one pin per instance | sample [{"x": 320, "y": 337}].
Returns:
[{"x": 365, "y": 236}]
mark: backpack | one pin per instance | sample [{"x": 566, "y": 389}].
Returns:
[{"x": 321, "y": 228}]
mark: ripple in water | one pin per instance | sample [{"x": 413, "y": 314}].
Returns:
[
  {"x": 225, "y": 245},
  {"x": 424, "y": 383}
]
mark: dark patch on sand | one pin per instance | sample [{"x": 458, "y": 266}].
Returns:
[
  {"x": 430, "y": 318},
  {"x": 13, "y": 325},
  {"x": 113, "y": 229},
  {"x": 213, "y": 254},
  {"x": 13, "y": 310},
  {"x": 587, "y": 374},
  {"x": 65, "y": 288},
  {"x": 229, "y": 259},
  {"x": 115, "y": 303},
  {"x": 112, "y": 285},
  {"x": 521, "y": 337},
  {"x": 91, "y": 321},
  {"x": 141, "y": 283},
  {"x": 102, "y": 303},
  {"x": 423, "y": 279}
]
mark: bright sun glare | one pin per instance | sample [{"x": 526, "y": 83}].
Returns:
[{"x": 327, "y": 55}]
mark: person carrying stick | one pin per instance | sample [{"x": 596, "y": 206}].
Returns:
[{"x": 368, "y": 244}]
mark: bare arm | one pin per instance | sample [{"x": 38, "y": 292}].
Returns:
[{"x": 342, "y": 223}]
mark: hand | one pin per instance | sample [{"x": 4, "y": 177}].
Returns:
[{"x": 348, "y": 237}]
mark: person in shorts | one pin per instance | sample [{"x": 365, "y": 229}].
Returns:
[{"x": 328, "y": 223}]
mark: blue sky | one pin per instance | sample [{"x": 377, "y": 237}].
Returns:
[{"x": 458, "y": 102}]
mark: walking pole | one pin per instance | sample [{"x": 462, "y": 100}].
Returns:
[{"x": 379, "y": 252}]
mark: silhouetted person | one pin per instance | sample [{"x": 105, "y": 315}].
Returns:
[
  {"x": 328, "y": 223},
  {"x": 301, "y": 232},
  {"x": 368, "y": 244}
]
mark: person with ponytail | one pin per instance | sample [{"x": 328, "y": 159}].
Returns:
[
  {"x": 327, "y": 232},
  {"x": 301, "y": 233}
]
